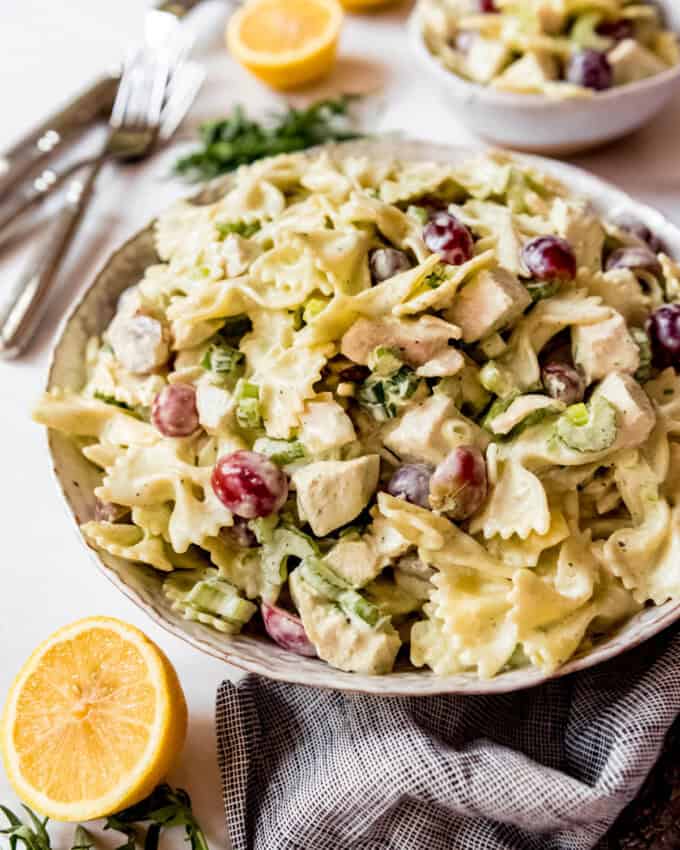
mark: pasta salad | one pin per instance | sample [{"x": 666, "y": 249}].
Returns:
[
  {"x": 383, "y": 407},
  {"x": 559, "y": 48}
]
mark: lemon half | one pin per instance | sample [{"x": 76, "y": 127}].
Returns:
[
  {"x": 286, "y": 42},
  {"x": 93, "y": 722}
]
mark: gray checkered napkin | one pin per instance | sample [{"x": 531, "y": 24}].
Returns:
[{"x": 543, "y": 769}]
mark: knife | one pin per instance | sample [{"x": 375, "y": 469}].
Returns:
[{"x": 92, "y": 104}]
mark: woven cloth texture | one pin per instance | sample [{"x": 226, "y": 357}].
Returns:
[{"x": 543, "y": 769}]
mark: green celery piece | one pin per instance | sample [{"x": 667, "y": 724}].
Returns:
[
  {"x": 354, "y": 604},
  {"x": 280, "y": 451},
  {"x": 492, "y": 378},
  {"x": 418, "y": 212},
  {"x": 500, "y": 405},
  {"x": 223, "y": 359},
  {"x": 285, "y": 543},
  {"x": 322, "y": 579},
  {"x": 312, "y": 308},
  {"x": 589, "y": 428},
  {"x": 383, "y": 396},
  {"x": 240, "y": 228},
  {"x": 541, "y": 291},
  {"x": 218, "y": 597},
  {"x": 644, "y": 372},
  {"x": 584, "y": 32},
  {"x": 263, "y": 527},
  {"x": 384, "y": 360},
  {"x": 248, "y": 413},
  {"x": 237, "y": 140},
  {"x": 577, "y": 414}
]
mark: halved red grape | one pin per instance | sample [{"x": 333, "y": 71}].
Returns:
[
  {"x": 487, "y": 6},
  {"x": 563, "y": 382},
  {"x": 663, "y": 329},
  {"x": 174, "y": 412},
  {"x": 386, "y": 263},
  {"x": 448, "y": 237},
  {"x": 287, "y": 630},
  {"x": 636, "y": 258},
  {"x": 249, "y": 484},
  {"x": 591, "y": 69},
  {"x": 616, "y": 30},
  {"x": 458, "y": 485},
  {"x": 412, "y": 482},
  {"x": 550, "y": 258}
]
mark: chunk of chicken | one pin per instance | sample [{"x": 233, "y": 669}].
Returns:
[
  {"x": 139, "y": 341},
  {"x": 418, "y": 341}
]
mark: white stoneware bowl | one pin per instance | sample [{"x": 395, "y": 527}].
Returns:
[
  {"x": 544, "y": 125},
  {"x": 77, "y": 478}
]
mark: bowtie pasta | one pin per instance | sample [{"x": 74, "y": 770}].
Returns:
[
  {"x": 383, "y": 407},
  {"x": 559, "y": 48}
]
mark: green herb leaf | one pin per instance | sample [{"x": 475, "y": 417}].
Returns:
[
  {"x": 32, "y": 835},
  {"x": 82, "y": 840},
  {"x": 237, "y": 140}
]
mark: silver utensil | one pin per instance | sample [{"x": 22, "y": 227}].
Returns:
[
  {"x": 182, "y": 90},
  {"x": 134, "y": 127},
  {"x": 95, "y": 102}
]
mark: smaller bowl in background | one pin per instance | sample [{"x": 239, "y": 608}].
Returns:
[{"x": 546, "y": 125}]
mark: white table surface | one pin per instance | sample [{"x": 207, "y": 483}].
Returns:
[{"x": 47, "y": 51}]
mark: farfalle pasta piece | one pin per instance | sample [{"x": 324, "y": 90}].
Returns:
[
  {"x": 546, "y": 320},
  {"x": 644, "y": 555},
  {"x": 517, "y": 552},
  {"x": 440, "y": 543},
  {"x": 469, "y": 626},
  {"x": 157, "y": 474},
  {"x": 439, "y": 294},
  {"x": 130, "y": 542},
  {"x": 665, "y": 393},
  {"x": 108, "y": 379},
  {"x": 497, "y": 223},
  {"x": 252, "y": 199},
  {"x": 418, "y": 180},
  {"x": 182, "y": 230},
  {"x": 517, "y": 505},
  {"x": 401, "y": 230},
  {"x": 86, "y": 417}
]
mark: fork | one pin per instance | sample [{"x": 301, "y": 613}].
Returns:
[{"x": 133, "y": 128}]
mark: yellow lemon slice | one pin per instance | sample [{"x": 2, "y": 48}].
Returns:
[
  {"x": 286, "y": 42},
  {"x": 93, "y": 722},
  {"x": 364, "y": 5}
]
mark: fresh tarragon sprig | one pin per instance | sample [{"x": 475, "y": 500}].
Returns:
[
  {"x": 237, "y": 140},
  {"x": 162, "y": 809}
]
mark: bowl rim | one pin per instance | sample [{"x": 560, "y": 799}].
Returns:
[
  {"x": 335, "y": 679},
  {"x": 494, "y": 97}
]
